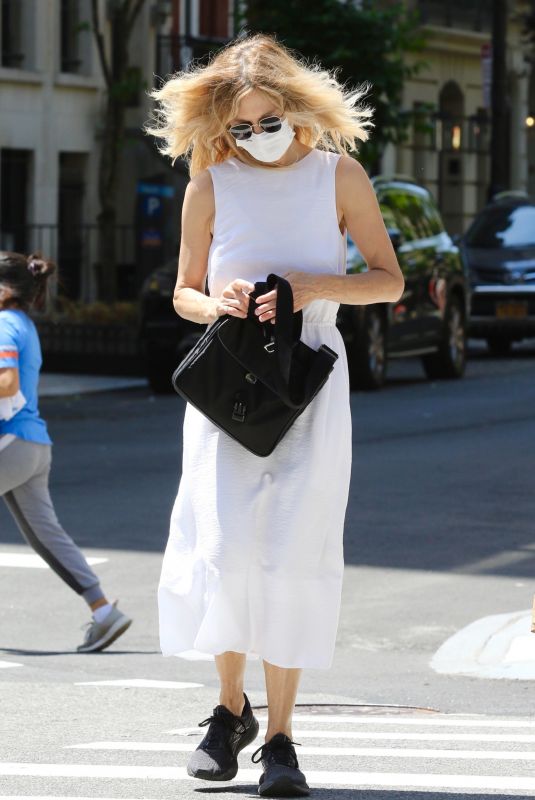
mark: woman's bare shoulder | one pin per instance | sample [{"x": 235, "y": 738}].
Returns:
[
  {"x": 353, "y": 185},
  {"x": 199, "y": 196},
  {"x": 349, "y": 169}
]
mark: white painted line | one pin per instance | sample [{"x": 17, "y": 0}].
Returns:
[
  {"x": 8, "y": 664},
  {"x": 33, "y": 561},
  {"x": 525, "y": 738},
  {"x": 442, "y": 721},
  {"x": 368, "y": 752},
  {"x": 399, "y": 780},
  {"x": 143, "y": 683}
]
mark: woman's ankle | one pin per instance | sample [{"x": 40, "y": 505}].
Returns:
[
  {"x": 233, "y": 700},
  {"x": 273, "y": 730}
]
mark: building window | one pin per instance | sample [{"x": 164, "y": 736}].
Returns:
[
  {"x": 70, "y": 36},
  {"x": 13, "y": 54},
  {"x": 474, "y": 15},
  {"x": 15, "y": 168},
  {"x": 75, "y": 36},
  {"x": 71, "y": 203}
]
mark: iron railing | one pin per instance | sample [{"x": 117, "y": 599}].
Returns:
[{"x": 75, "y": 250}]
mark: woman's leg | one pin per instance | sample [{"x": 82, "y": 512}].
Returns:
[
  {"x": 281, "y": 687},
  {"x": 231, "y": 670},
  {"x": 24, "y": 473}
]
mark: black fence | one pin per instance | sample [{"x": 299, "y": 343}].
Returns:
[{"x": 75, "y": 250}]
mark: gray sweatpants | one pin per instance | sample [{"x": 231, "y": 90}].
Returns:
[{"x": 24, "y": 473}]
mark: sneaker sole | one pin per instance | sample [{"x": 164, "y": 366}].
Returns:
[
  {"x": 116, "y": 630},
  {"x": 233, "y": 770},
  {"x": 284, "y": 787}
]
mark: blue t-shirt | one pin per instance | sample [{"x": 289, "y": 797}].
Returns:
[{"x": 20, "y": 347}]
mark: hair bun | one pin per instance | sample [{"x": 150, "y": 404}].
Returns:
[{"x": 38, "y": 266}]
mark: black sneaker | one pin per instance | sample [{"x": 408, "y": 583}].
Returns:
[
  {"x": 216, "y": 758},
  {"x": 281, "y": 776}
]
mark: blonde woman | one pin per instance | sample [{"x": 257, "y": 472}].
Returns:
[{"x": 254, "y": 562}]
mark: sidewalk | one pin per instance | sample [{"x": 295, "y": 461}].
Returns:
[{"x": 53, "y": 384}]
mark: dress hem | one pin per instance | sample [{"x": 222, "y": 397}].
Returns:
[{"x": 197, "y": 655}]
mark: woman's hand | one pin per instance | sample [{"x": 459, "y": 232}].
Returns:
[
  {"x": 303, "y": 288},
  {"x": 234, "y": 299}
]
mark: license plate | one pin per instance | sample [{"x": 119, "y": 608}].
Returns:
[{"x": 511, "y": 308}]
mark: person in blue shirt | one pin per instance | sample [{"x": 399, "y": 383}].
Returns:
[{"x": 26, "y": 447}]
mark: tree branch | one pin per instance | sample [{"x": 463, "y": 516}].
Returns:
[
  {"x": 99, "y": 38},
  {"x": 138, "y": 5}
]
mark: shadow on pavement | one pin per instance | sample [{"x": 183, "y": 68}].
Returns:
[
  {"x": 15, "y": 651},
  {"x": 362, "y": 794}
]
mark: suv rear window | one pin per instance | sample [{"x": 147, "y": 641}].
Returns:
[
  {"x": 414, "y": 214},
  {"x": 503, "y": 226}
]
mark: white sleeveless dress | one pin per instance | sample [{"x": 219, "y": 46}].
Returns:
[{"x": 254, "y": 561}]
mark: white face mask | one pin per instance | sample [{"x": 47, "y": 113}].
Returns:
[{"x": 269, "y": 146}]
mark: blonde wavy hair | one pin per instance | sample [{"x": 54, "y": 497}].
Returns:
[{"x": 194, "y": 107}]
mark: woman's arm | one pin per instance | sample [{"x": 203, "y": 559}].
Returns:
[
  {"x": 9, "y": 381},
  {"x": 190, "y": 300},
  {"x": 383, "y": 282}
]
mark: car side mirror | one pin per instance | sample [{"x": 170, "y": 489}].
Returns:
[{"x": 396, "y": 237}]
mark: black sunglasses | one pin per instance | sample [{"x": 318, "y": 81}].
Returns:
[{"x": 244, "y": 130}]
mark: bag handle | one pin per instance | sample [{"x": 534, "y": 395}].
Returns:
[
  {"x": 282, "y": 337},
  {"x": 286, "y": 332}
]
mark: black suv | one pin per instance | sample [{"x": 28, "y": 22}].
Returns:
[
  {"x": 499, "y": 247},
  {"x": 165, "y": 338},
  {"x": 430, "y": 319}
]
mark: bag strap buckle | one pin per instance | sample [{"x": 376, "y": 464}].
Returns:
[{"x": 239, "y": 411}]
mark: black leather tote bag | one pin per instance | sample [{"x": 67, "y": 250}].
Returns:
[{"x": 253, "y": 379}]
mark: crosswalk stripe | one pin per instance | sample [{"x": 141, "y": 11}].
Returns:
[
  {"x": 357, "y": 779},
  {"x": 142, "y": 683},
  {"x": 442, "y": 721},
  {"x": 368, "y": 752},
  {"x": 8, "y": 664},
  {"x": 526, "y": 738}
]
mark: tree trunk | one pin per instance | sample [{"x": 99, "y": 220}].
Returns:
[
  {"x": 115, "y": 68},
  {"x": 107, "y": 189}
]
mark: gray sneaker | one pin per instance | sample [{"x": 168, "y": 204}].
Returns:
[{"x": 100, "y": 635}]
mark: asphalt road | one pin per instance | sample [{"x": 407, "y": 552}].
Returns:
[{"x": 439, "y": 534}]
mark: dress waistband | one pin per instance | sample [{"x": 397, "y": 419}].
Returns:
[
  {"x": 321, "y": 312},
  {"x": 320, "y": 323}
]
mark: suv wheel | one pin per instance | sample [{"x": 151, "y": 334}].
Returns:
[
  {"x": 499, "y": 346},
  {"x": 367, "y": 360},
  {"x": 450, "y": 359}
]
